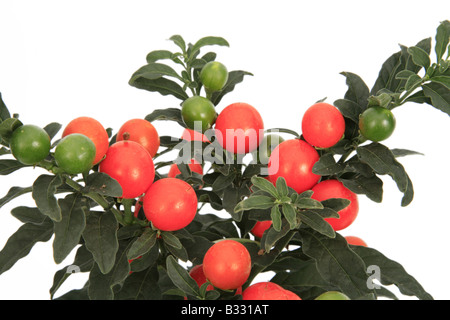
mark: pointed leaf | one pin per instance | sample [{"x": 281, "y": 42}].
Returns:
[
  {"x": 442, "y": 39},
  {"x": 265, "y": 185},
  {"x": 317, "y": 222},
  {"x": 254, "y": 202},
  {"x": 103, "y": 184},
  {"x": 234, "y": 77},
  {"x": 22, "y": 241},
  {"x": 13, "y": 193},
  {"x": 419, "y": 57},
  {"x": 392, "y": 273},
  {"x": 161, "y": 85},
  {"x": 208, "y": 41},
  {"x": 336, "y": 263},
  {"x": 326, "y": 166},
  {"x": 100, "y": 236},
  {"x": 4, "y": 112},
  {"x": 169, "y": 114},
  {"x": 181, "y": 278},
  {"x": 439, "y": 95},
  {"x": 143, "y": 244},
  {"x": 179, "y": 41},
  {"x": 68, "y": 231},
  {"x": 141, "y": 286},
  {"x": 357, "y": 90},
  {"x": 28, "y": 215},
  {"x": 44, "y": 189},
  {"x": 8, "y": 166}
]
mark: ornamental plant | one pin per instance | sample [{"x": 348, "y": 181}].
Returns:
[{"x": 147, "y": 214}]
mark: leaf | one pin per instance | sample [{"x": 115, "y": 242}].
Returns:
[
  {"x": 143, "y": 244},
  {"x": 68, "y": 231},
  {"x": 223, "y": 181},
  {"x": 419, "y": 57},
  {"x": 336, "y": 263},
  {"x": 52, "y": 129},
  {"x": 444, "y": 80},
  {"x": 100, "y": 236},
  {"x": 101, "y": 284},
  {"x": 372, "y": 186},
  {"x": 392, "y": 273},
  {"x": 8, "y": 166},
  {"x": 234, "y": 77},
  {"x": 382, "y": 161},
  {"x": 265, "y": 185},
  {"x": 439, "y": 95},
  {"x": 158, "y": 55},
  {"x": 208, "y": 41},
  {"x": 290, "y": 214},
  {"x": 327, "y": 166},
  {"x": 272, "y": 235},
  {"x": 179, "y": 41},
  {"x": 83, "y": 262},
  {"x": 349, "y": 109},
  {"x": 281, "y": 187},
  {"x": 357, "y": 90},
  {"x": 316, "y": 222},
  {"x": 44, "y": 189},
  {"x": 171, "y": 240},
  {"x": 22, "y": 241},
  {"x": 4, "y": 112},
  {"x": 13, "y": 193},
  {"x": 141, "y": 286},
  {"x": 181, "y": 278},
  {"x": 169, "y": 114},
  {"x": 275, "y": 216},
  {"x": 254, "y": 202},
  {"x": 28, "y": 215},
  {"x": 442, "y": 39},
  {"x": 103, "y": 184},
  {"x": 154, "y": 70},
  {"x": 161, "y": 85},
  {"x": 404, "y": 152}
]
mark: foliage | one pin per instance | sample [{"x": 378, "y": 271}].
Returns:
[{"x": 86, "y": 213}]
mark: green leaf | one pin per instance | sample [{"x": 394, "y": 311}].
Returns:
[
  {"x": 179, "y": 41},
  {"x": 392, "y": 273},
  {"x": 316, "y": 222},
  {"x": 254, "y": 202},
  {"x": 272, "y": 235},
  {"x": 83, "y": 262},
  {"x": 223, "y": 181},
  {"x": 171, "y": 240},
  {"x": 13, "y": 193},
  {"x": 52, "y": 129},
  {"x": 336, "y": 263},
  {"x": 100, "y": 236},
  {"x": 28, "y": 215},
  {"x": 404, "y": 152},
  {"x": 265, "y": 185},
  {"x": 420, "y": 57},
  {"x": 44, "y": 189},
  {"x": 68, "y": 231},
  {"x": 234, "y": 78},
  {"x": 444, "y": 80},
  {"x": 154, "y": 70},
  {"x": 141, "y": 286},
  {"x": 357, "y": 90},
  {"x": 4, "y": 112},
  {"x": 349, "y": 109},
  {"x": 439, "y": 95},
  {"x": 8, "y": 166},
  {"x": 161, "y": 85},
  {"x": 101, "y": 183},
  {"x": 158, "y": 55},
  {"x": 208, "y": 41},
  {"x": 169, "y": 114},
  {"x": 382, "y": 161},
  {"x": 327, "y": 166},
  {"x": 143, "y": 244},
  {"x": 442, "y": 39},
  {"x": 275, "y": 216},
  {"x": 372, "y": 186},
  {"x": 290, "y": 214},
  {"x": 282, "y": 187},
  {"x": 22, "y": 241},
  {"x": 181, "y": 278},
  {"x": 101, "y": 284}
]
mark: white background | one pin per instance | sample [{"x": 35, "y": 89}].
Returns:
[{"x": 63, "y": 59}]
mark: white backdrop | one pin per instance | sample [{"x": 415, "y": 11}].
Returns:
[{"x": 63, "y": 59}]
